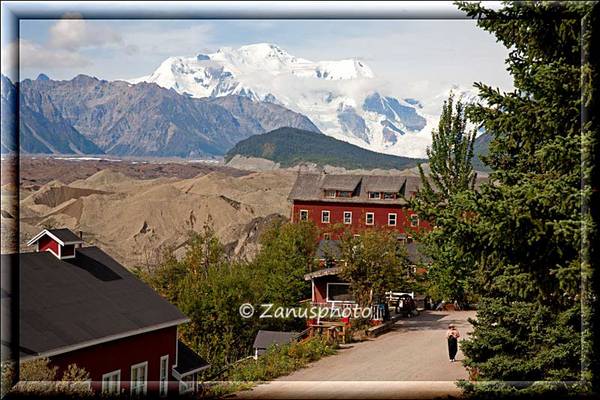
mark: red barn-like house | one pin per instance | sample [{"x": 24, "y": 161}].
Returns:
[
  {"x": 80, "y": 306},
  {"x": 357, "y": 203}
]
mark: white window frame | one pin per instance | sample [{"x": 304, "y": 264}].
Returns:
[
  {"x": 336, "y": 301},
  {"x": 372, "y": 214},
  {"x": 389, "y": 196},
  {"x": 412, "y": 222},
  {"x": 300, "y": 215},
  {"x": 323, "y": 216},
  {"x": 131, "y": 382},
  {"x": 105, "y": 389},
  {"x": 328, "y": 194},
  {"x": 163, "y": 386},
  {"x": 350, "y": 214},
  {"x": 373, "y": 197},
  {"x": 185, "y": 386},
  {"x": 395, "y": 215},
  {"x": 327, "y": 236}
]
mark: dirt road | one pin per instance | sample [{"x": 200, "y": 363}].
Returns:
[{"x": 411, "y": 361}]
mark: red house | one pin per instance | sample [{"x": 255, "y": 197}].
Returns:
[
  {"x": 357, "y": 203},
  {"x": 80, "y": 306}
]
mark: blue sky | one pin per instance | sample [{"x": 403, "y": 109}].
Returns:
[{"x": 412, "y": 58}]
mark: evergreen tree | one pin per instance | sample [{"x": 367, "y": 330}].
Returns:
[
  {"x": 523, "y": 229},
  {"x": 451, "y": 173}
]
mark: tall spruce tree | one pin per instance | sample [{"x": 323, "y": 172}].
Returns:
[
  {"x": 451, "y": 174},
  {"x": 523, "y": 229}
]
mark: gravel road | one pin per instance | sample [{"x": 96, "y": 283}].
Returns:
[{"x": 411, "y": 361}]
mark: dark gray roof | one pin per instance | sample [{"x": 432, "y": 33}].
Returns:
[
  {"x": 311, "y": 187},
  {"x": 411, "y": 185},
  {"x": 328, "y": 249},
  {"x": 264, "y": 339},
  {"x": 188, "y": 362},
  {"x": 332, "y": 249},
  {"x": 414, "y": 254},
  {"x": 340, "y": 182},
  {"x": 66, "y": 235},
  {"x": 74, "y": 303},
  {"x": 385, "y": 183}
]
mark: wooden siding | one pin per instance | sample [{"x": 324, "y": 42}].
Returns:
[
  {"x": 122, "y": 354},
  {"x": 359, "y": 212}
]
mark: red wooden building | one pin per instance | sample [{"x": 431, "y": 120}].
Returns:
[
  {"x": 355, "y": 202},
  {"x": 352, "y": 202},
  {"x": 80, "y": 306}
]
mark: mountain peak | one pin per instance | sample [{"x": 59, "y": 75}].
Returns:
[
  {"x": 326, "y": 91},
  {"x": 42, "y": 77}
]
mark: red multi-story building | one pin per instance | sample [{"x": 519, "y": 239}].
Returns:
[
  {"x": 80, "y": 306},
  {"x": 355, "y": 202},
  {"x": 337, "y": 203}
]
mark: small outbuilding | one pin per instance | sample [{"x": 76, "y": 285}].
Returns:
[{"x": 266, "y": 339}]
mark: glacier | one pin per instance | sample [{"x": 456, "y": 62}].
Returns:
[{"x": 343, "y": 98}]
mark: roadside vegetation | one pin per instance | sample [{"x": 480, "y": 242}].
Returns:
[
  {"x": 39, "y": 379},
  {"x": 275, "y": 362},
  {"x": 209, "y": 288}
]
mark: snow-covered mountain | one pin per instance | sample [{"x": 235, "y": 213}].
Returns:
[{"x": 340, "y": 97}]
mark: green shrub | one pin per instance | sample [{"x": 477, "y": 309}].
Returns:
[{"x": 281, "y": 360}]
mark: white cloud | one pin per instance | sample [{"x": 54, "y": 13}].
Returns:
[
  {"x": 73, "y": 33},
  {"x": 34, "y": 55}
]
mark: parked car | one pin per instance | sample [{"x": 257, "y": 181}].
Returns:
[{"x": 406, "y": 306}]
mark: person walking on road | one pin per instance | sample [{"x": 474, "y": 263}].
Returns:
[{"x": 452, "y": 336}]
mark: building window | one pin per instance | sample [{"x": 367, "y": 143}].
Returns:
[
  {"x": 164, "y": 375},
  {"x": 392, "y": 219},
  {"x": 339, "y": 292},
  {"x": 303, "y": 215},
  {"x": 186, "y": 384},
  {"x": 330, "y": 194},
  {"x": 374, "y": 195},
  {"x": 139, "y": 378},
  {"x": 111, "y": 382},
  {"x": 325, "y": 216},
  {"x": 370, "y": 218},
  {"x": 389, "y": 196},
  {"x": 414, "y": 220},
  {"x": 347, "y": 217},
  {"x": 327, "y": 236},
  {"x": 344, "y": 194}
]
